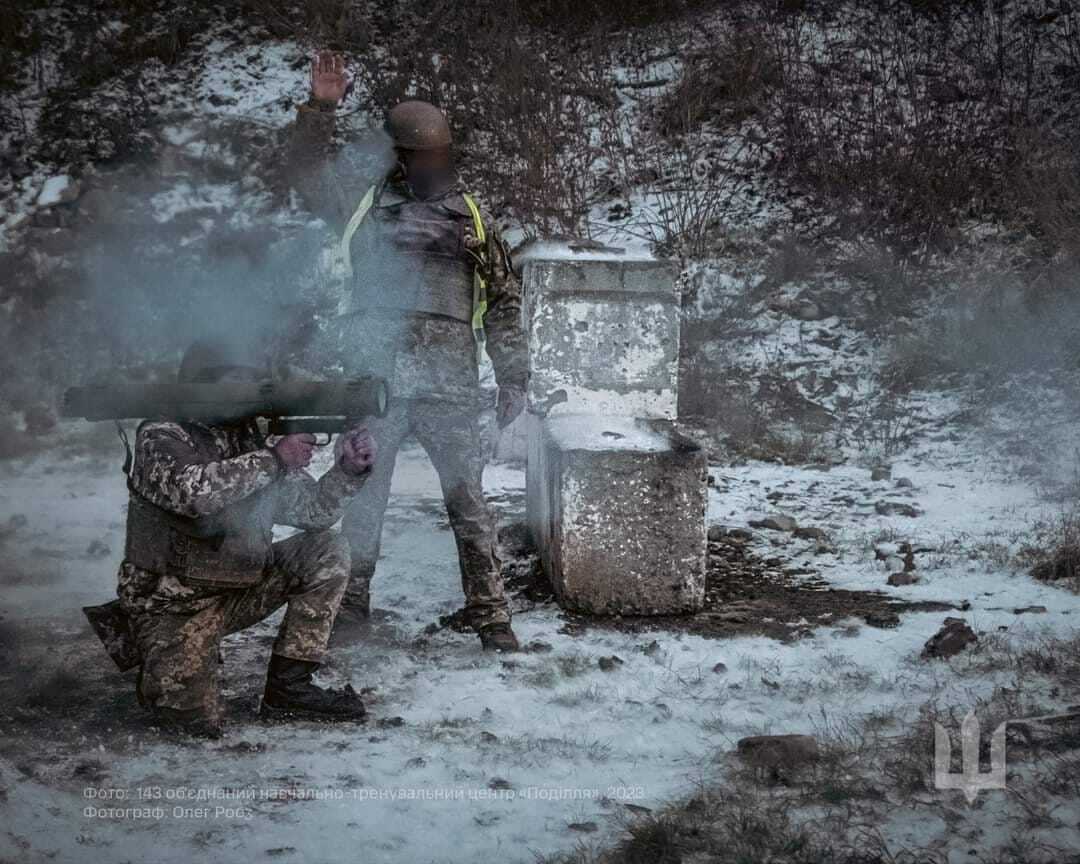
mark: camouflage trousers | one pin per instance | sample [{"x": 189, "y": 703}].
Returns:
[
  {"x": 179, "y": 629},
  {"x": 450, "y": 435}
]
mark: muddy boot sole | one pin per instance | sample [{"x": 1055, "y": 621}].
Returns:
[{"x": 275, "y": 714}]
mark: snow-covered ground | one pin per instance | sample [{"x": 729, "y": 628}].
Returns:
[{"x": 469, "y": 755}]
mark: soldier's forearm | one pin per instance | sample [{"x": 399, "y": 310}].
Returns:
[
  {"x": 319, "y": 504},
  {"x": 205, "y": 489},
  {"x": 308, "y": 158},
  {"x": 507, "y": 342}
]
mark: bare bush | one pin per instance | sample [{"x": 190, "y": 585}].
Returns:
[
  {"x": 724, "y": 83},
  {"x": 908, "y": 114}
]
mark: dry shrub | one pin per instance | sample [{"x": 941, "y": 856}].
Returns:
[
  {"x": 1046, "y": 186},
  {"x": 906, "y": 114},
  {"x": 723, "y": 84},
  {"x": 1056, "y": 558}
]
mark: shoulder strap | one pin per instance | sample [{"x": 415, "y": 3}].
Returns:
[
  {"x": 479, "y": 281},
  {"x": 351, "y": 227}
]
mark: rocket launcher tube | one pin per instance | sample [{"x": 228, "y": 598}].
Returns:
[{"x": 289, "y": 406}]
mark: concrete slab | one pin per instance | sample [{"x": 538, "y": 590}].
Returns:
[
  {"x": 603, "y": 336},
  {"x": 617, "y": 508}
]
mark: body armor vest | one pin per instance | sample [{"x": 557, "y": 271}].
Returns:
[
  {"x": 411, "y": 257},
  {"x": 230, "y": 549}
]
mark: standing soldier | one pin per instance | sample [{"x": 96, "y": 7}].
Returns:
[
  {"x": 429, "y": 281},
  {"x": 199, "y": 561}
]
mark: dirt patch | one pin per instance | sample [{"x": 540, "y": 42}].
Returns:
[{"x": 745, "y": 595}]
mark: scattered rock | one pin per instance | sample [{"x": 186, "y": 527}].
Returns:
[
  {"x": 61, "y": 189},
  {"x": 739, "y": 535},
  {"x": 779, "y": 752},
  {"x": 499, "y": 783},
  {"x": 807, "y": 310},
  {"x": 897, "y": 508},
  {"x": 954, "y": 636},
  {"x": 778, "y": 522},
  {"x": 609, "y": 664},
  {"x": 905, "y": 577},
  {"x": 720, "y": 668},
  {"x": 390, "y": 722},
  {"x": 92, "y": 770},
  {"x": 716, "y": 533},
  {"x": 881, "y": 472},
  {"x": 488, "y": 737},
  {"x": 584, "y": 827},
  {"x": 1036, "y": 610},
  {"x": 811, "y": 533},
  {"x": 538, "y": 647},
  {"x": 904, "y": 483},
  {"x": 884, "y": 619},
  {"x": 651, "y": 649}
]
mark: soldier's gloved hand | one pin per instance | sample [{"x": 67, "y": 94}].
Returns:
[
  {"x": 510, "y": 404},
  {"x": 356, "y": 450},
  {"x": 295, "y": 451}
]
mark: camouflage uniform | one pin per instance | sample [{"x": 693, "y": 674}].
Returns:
[
  {"x": 407, "y": 318},
  {"x": 200, "y": 561}
]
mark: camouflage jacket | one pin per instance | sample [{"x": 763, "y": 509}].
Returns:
[
  {"x": 203, "y": 504},
  {"x": 434, "y": 354}
]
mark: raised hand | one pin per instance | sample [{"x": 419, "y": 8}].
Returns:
[{"x": 328, "y": 79}]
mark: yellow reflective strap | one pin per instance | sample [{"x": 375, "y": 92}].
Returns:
[
  {"x": 352, "y": 226},
  {"x": 479, "y": 282}
]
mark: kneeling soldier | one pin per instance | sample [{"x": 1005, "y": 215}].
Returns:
[{"x": 200, "y": 561}]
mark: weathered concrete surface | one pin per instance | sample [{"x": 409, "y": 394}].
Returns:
[
  {"x": 617, "y": 508},
  {"x": 603, "y": 336}
]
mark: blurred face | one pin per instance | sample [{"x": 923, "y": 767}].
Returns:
[
  {"x": 427, "y": 160},
  {"x": 427, "y": 172}
]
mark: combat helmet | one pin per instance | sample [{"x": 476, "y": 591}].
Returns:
[{"x": 417, "y": 125}]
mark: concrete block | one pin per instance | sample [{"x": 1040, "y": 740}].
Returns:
[
  {"x": 617, "y": 508},
  {"x": 603, "y": 336}
]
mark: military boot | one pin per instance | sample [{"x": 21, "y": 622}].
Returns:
[
  {"x": 498, "y": 637},
  {"x": 290, "y": 694},
  {"x": 193, "y": 723}
]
